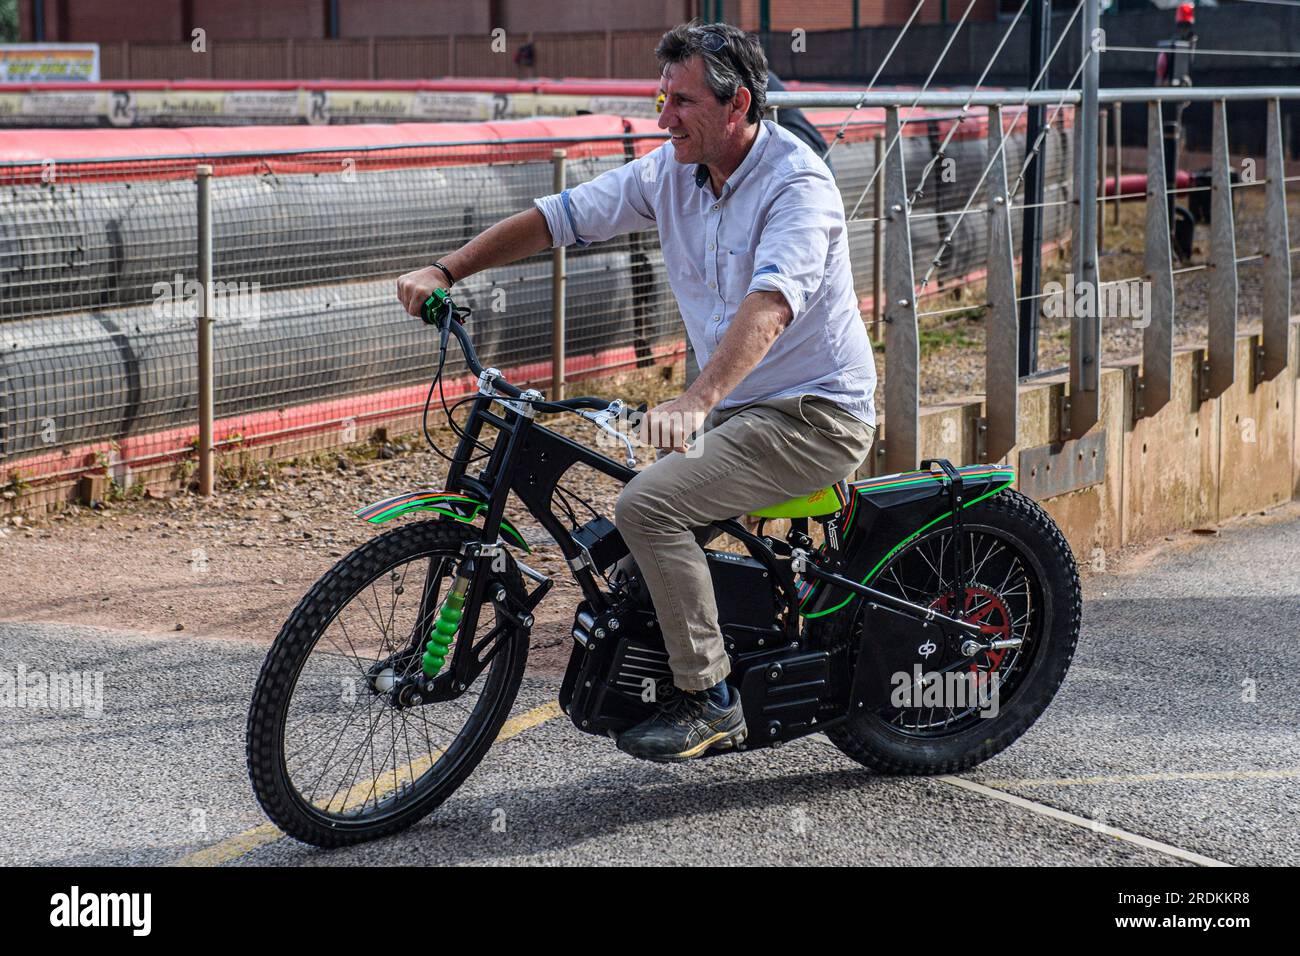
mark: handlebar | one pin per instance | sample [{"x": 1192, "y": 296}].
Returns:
[{"x": 441, "y": 312}]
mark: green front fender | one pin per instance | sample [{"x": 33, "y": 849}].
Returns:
[{"x": 459, "y": 507}]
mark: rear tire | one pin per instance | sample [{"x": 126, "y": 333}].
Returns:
[
  {"x": 279, "y": 791},
  {"x": 876, "y": 742}
]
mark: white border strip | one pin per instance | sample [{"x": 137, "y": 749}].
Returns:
[{"x": 1093, "y": 825}]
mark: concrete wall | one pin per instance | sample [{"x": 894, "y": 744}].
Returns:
[{"x": 1192, "y": 463}]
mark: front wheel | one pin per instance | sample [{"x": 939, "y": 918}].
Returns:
[
  {"x": 1022, "y": 586},
  {"x": 332, "y": 758}
]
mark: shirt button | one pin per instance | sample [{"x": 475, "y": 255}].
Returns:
[
  {"x": 715, "y": 206},
  {"x": 712, "y": 247},
  {"x": 715, "y": 318}
]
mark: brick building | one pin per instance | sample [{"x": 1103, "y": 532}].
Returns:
[{"x": 171, "y": 21}]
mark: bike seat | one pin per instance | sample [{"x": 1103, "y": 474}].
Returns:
[{"x": 823, "y": 501}]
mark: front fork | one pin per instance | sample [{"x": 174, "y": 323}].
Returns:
[{"x": 456, "y": 622}]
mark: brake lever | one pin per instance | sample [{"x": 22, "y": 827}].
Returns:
[{"x": 616, "y": 410}]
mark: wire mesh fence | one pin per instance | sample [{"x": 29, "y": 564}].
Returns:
[{"x": 99, "y": 288}]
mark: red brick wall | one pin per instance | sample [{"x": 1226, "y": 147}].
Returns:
[
  {"x": 575, "y": 16},
  {"x": 257, "y": 19},
  {"x": 389, "y": 18},
  {"x": 102, "y": 21},
  {"x": 162, "y": 21}
]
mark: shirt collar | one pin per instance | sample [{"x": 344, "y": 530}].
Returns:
[{"x": 746, "y": 165}]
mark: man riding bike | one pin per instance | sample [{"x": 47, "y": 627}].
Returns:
[{"x": 755, "y": 246}]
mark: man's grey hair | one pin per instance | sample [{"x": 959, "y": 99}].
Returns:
[{"x": 740, "y": 63}]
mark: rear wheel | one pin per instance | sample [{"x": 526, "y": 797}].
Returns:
[
  {"x": 332, "y": 758},
  {"x": 1022, "y": 586}
]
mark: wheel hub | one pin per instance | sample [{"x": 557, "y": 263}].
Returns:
[{"x": 984, "y": 607}]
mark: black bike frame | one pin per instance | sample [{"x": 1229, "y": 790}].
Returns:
[{"x": 530, "y": 460}]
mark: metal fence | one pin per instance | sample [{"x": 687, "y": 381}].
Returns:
[
  {"x": 1089, "y": 303},
  {"x": 100, "y": 269},
  {"x": 100, "y": 279}
]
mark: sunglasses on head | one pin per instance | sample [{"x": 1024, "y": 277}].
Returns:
[{"x": 711, "y": 41}]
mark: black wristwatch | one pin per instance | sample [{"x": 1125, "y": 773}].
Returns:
[{"x": 451, "y": 279}]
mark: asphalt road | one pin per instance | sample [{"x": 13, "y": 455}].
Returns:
[{"x": 1174, "y": 741}]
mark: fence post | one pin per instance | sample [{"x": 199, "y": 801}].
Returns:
[
  {"x": 203, "y": 176},
  {"x": 1117, "y": 203},
  {"x": 902, "y": 348},
  {"x": 1221, "y": 354},
  {"x": 1277, "y": 265},
  {"x": 557, "y": 288},
  {"x": 1103, "y": 129},
  {"x": 1083, "y": 406},
  {"x": 878, "y": 245},
  {"x": 1001, "y": 380},
  {"x": 1153, "y": 385}
]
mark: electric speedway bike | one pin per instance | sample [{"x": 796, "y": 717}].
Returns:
[{"x": 398, "y": 669}]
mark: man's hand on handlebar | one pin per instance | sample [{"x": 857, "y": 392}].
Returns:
[
  {"x": 671, "y": 425},
  {"x": 416, "y": 287}
]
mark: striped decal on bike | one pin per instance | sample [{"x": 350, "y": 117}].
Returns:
[
  {"x": 380, "y": 510},
  {"x": 459, "y": 507}
]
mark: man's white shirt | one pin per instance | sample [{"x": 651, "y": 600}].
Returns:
[{"x": 778, "y": 226}]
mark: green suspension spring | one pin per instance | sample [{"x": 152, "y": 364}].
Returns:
[{"x": 444, "y": 628}]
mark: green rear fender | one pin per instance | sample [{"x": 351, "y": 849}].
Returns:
[{"x": 458, "y": 507}]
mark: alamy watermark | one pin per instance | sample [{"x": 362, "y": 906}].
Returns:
[
  {"x": 231, "y": 301},
  {"x": 955, "y": 690},
  {"x": 53, "y": 690},
  {"x": 1108, "y": 300}
]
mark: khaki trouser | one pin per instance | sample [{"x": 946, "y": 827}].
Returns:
[{"x": 743, "y": 459}]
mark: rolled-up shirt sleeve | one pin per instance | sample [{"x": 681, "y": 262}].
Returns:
[
  {"x": 792, "y": 248},
  {"x": 613, "y": 204}
]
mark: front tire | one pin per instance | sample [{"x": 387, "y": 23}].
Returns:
[
  {"x": 329, "y": 669},
  {"x": 897, "y": 740}
]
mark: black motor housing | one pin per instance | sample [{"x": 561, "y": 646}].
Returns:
[{"x": 618, "y": 672}]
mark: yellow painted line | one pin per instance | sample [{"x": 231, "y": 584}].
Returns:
[
  {"x": 232, "y": 848},
  {"x": 1148, "y": 778},
  {"x": 1095, "y": 826},
  {"x": 242, "y": 843},
  {"x": 527, "y": 721}
]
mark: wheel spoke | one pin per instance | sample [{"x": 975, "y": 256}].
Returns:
[
  {"x": 1003, "y": 609},
  {"x": 365, "y": 749}
]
